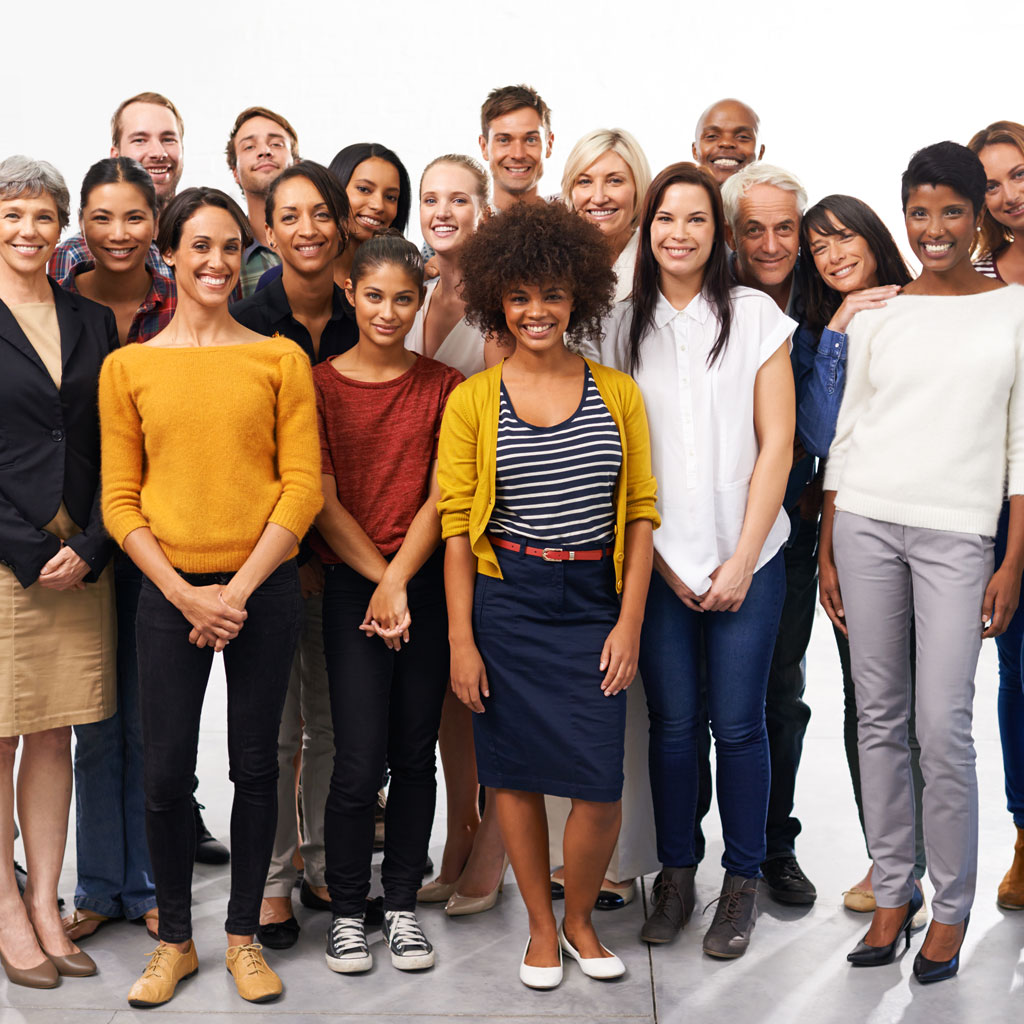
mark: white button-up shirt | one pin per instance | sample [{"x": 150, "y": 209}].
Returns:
[{"x": 703, "y": 443}]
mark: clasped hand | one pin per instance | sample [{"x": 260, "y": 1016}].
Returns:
[
  {"x": 216, "y": 618},
  {"x": 387, "y": 614},
  {"x": 65, "y": 571}
]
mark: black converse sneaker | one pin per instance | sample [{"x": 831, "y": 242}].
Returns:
[
  {"x": 410, "y": 950},
  {"x": 346, "y": 946}
]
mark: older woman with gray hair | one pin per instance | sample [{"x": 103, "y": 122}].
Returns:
[
  {"x": 56, "y": 597},
  {"x": 605, "y": 178}
]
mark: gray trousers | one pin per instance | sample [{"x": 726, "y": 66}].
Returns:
[
  {"x": 305, "y": 725},
  {"x": 885, "y": 571}
]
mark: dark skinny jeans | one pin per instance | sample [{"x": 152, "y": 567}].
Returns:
[{"x": 172, "y": 678}]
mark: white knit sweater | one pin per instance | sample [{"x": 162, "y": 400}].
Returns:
[{"x": 932, "y": 420}]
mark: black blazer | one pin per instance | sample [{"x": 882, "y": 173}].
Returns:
[{"x": 50, "y": 439}]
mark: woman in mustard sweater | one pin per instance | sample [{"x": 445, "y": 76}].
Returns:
[
  {"x": 210, "y": 474},
  {"x": 547, "y": 505}
]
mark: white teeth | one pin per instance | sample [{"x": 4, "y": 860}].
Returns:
[
  {"x": 841, "y": 272},
  {"x": 601, "y": 214},
  {"x": 537, "y": 328},
  {"x": 371, "y": 221},
  {"x": 936, "y": 248},
  {"x": 444, "y": 229},
  {"x": 28, "y": 249},
  {"x": 120, "y": 252},
  {"x": 725, "y": 161},
  {"x": 308, "y": 248},
  {"x": 211, "y": 280}
]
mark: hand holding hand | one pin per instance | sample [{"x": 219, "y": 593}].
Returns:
[
  {"x": 679, "y": 588},
  {"x": 65, "y": 571},
  {"x": 214, "y": 619},
  {"x": 729, "y": 585}
]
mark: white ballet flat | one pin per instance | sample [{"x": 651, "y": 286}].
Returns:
[
  {"x": 540, "y": 977},
  {"x": 602, "y": 967}
]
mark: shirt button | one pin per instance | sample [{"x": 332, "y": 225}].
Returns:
[{"x": 57, "y": 435}]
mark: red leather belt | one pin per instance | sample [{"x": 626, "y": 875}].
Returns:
[{"x": 552, "y": 554}]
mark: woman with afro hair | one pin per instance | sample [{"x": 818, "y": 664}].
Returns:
[{"x": 548, "y": 506}]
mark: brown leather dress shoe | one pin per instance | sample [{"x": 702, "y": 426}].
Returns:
[
  {"x": 1011, "y": 889},
  {"x": 255, "y": 981},
  {"x": 74, "y": 965},
  {"x": 43, "y": 975}
]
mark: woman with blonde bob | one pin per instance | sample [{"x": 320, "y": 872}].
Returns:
[{"x": 605, "y": 178}]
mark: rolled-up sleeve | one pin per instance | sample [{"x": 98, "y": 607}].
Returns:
[{"x": 457, "y": 462}]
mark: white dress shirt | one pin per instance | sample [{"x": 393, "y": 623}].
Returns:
[{"x": 703, "y": 443}]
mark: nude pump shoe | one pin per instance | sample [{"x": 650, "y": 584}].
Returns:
[{"x": 459, "y": 905}]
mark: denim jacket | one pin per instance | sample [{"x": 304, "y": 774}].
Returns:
[{"x": 819, "y": 399}]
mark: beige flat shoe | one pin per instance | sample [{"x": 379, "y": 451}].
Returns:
[
  {"x": 460, "y": 906},
  {"x": 861, "y": 901},
  {"x": 254, "y": 979}
]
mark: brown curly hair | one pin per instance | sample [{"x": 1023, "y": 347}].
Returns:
[{"x": 537, "y": 244}]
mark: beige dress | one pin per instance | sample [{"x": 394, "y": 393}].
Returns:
[{"x": 57, "y": 648}]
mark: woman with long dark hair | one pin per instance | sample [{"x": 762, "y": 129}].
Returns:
[{"x": 712, "y": 362}]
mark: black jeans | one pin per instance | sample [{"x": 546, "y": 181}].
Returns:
[
  {"x": 386, "y": 707},
  {"x": 172, "y": 677}
]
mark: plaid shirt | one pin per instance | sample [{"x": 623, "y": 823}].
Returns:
[
  {"x": 256, "y": 261},
  {"x": 157, "y": 307}
]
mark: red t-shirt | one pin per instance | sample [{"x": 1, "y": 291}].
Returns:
[{"x": 378, "y": 441}]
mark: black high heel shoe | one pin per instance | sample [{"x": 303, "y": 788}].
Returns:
[
  {"x": 926, "y": 971},
  {"x": 875, "y": 956}
]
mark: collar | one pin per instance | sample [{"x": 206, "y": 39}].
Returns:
[
  {"x": 698, "y": 309},
  {"x": 161, "y": 285},
  {"x": 276, "y": 301},
  {"x": 794, "y": 307}
]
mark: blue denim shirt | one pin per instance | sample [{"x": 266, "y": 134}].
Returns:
[{"x": 817, "y": 406}]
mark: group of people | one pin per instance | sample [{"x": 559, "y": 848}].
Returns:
[{"x": 590, "y": 455}]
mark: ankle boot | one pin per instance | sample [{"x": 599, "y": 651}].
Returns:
[
  {"x": 674, "y": 896},
  {"x": 1011, "y": 888}
]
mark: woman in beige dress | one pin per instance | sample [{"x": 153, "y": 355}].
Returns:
[{"x": 56, "y": 595}]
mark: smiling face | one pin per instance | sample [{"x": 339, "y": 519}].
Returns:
[
  {"x": 844, "y": 259},
  {"x": 727, "y": 139},
  {"x": 263, "y": 149},
  {"x": 940, "y": 227},
  {"x": 767, "y": 236},
  {"x": 117, "y": 224},
  {"x": 304, "y": 233},
  {"x": 373, "y": 192},
  {"x": 208, "y": 257},
  {"x": 450, "y": 206},
  {"x": 605, "y": 194},
  {"x": 386, "y": 300},
  {"x": 1004, "y": 191},
  {"x": 29, "y": 229},
  {"x": 515, "y": 147},
  {"x": 537, "y": 315},
  {"x": 149, "y": 134},
  {"x": 683, "y": 231}
]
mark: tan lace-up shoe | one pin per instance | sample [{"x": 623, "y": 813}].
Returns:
[
  {"x": 165, "y": 969},
  {"x": 1011, "y": 889},
  {"x": 254, "y": 979}
]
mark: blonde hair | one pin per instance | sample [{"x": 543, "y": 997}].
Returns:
[
  {"x": 994, "y": 237},
  {"x": 592, "y": 147},
  {"x": 483, "y": 184}
]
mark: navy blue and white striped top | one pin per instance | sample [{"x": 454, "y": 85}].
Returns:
[{"x": 556, "y": 484}]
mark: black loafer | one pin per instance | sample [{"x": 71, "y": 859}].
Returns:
[
  {"x": 557, "y": 890},
  {"x": 209, "y": 850},
  {"x": 309, "y": 899},
  {"x": 279, "y": 934}
]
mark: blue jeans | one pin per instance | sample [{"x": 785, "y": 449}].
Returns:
[
  {"x": 114, "y": 874},
  {"x": 1011, "y": 693},
  {"x": 739, "y": 649}
]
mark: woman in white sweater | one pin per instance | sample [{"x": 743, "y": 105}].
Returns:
[{"x": 931, "y": 425}]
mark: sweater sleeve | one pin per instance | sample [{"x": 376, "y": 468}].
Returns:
[
  {"x": 641, "y": 487},
  {"x": 121, "y": 451},
  {"x": 298, "y": 447},
  {"x": 457, "y": 461},
  {"x": 855, "y": 397},
  {"x": 1015, "y": 422}
]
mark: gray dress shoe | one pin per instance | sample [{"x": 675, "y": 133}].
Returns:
[
  {"x": 729, "y": 934},
  {"x": 674, "y": 897}
]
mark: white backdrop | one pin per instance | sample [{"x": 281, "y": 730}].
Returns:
[{"x": 845, "y": 92}]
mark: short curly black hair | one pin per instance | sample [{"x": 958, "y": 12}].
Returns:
[{"x": 537, "y": 244}]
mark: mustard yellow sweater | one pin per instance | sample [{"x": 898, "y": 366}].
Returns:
[{"x": 205, "y": 446}]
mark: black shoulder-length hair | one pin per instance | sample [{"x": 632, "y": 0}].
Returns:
[
  {"x": 821, "y": 301},
  {"x": 349, "y": 158},
  {"x": 717, "y": 274}
]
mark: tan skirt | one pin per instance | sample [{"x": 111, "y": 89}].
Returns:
[{"x": 57, "y": 653}]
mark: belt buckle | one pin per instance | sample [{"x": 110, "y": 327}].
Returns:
[{"x": 551, "y": 555}]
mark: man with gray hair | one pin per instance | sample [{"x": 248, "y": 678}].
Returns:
[{"x": 763, "y": 207}]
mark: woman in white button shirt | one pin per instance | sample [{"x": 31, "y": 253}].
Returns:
[{"x": 712, "y": 362}]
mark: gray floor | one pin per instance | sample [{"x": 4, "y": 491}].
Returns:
[{"x": 795, "y": 970}]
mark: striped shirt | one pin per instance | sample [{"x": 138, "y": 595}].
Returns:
[
  {"x": 556, "y": 484},
  {"x": 988, "y": 267}
]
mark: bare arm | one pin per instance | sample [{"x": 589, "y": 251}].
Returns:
[
  {"x": 469, "y": 679},
  {"x": 828, "y": 578},
  {"x": 622, "y": 647},
  {"x": 774, "y": 424},
  {"x": 348, "y": 540},
  {"x": 1003, "y": 591}
]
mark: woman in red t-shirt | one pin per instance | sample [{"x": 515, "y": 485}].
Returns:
[{"x": 380, "y": 409}]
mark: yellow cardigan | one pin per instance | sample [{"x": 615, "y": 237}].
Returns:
[{"x": 466, "y": 461}]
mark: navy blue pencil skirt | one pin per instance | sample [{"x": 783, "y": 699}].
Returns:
[{"x": 547, "y": 727}]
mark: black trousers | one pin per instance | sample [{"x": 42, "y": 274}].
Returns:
[
  {"x": 386, "y": 707},
  {"x": 172, "y": 678}
]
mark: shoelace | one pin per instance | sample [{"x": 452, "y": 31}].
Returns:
[
  {"x": 252, "y": 960},
  {"x": 666, "y": 890},
  {"x": 405, "y": 931},
  {"x": 156, "y": 962},
  {"x": 729, "y": 903},
  {"x": 790, "y": 871},
  {"x": 347, "y": 934}
]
